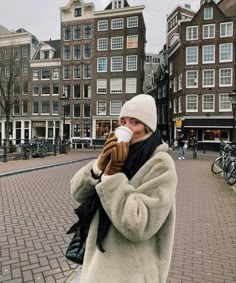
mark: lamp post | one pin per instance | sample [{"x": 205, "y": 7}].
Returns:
[
  {"x": 64, "y": 102},
  {"x": 232, "y": 97}
]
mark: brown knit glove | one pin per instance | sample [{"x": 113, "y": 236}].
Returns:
[
  {"x": 105, "y": 155},
  {"x": 119, "y": 154}
]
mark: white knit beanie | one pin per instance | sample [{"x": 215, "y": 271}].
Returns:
[{"x": 143, "y": 108}]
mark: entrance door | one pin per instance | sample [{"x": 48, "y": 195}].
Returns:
[{"x": 66, "y": 131}]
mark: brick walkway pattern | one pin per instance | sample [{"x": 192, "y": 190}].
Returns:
[{"x": 36, "y": 210}]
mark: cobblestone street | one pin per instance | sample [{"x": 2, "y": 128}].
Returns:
[{"x": 36, "y": 210}]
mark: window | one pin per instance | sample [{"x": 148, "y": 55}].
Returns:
[
  {"x": 25, "y": 69},
  {"x": 7, "y": 71},
  {"x": 115, "y": 107},
  {"x": 180, "y": 104},
  {"x": 171, "y": 67},
  {"x": 87, "y": 91},
  {"x": 45, "y": 89},
  {"x": 132, "y": 22},
  {"x": 16, "y": 108},
  {"x": 131, "y": 85},
  {"x": 66, "y": 72},
  {"x": 102, "y": 44},
  {"x": 117, "y": 64},
  {"x": 226, "y": 29},
  {"x": 25, "y": 87},
  {"x": 66, "y": 53},
  {"x": 76, "y": 91},
  {"x": 192, "y": 55},
  {"x": 215, "y": 135},
  {"x": 208, "y": 78},
  {"x": 225, "y": 77},
  {"x": 76, "y": 130},
  {"x": 87, "y": 31},
  {"x": 192, "y": 33},
  {"x": 224, "y": 103},
  {"x": 208, "y": 54},
  {"x": 76, "y": 53},
  {"x": 101, "y": 64},
  {"x": 116, "y": 86},
  {"x": 191, "y": 103},
  {"x": 117, "y": 23},
  {"x": 87, "y": 51},
  {"x": 87, "y": 71},
  {"x": 66, "y": 90},
  {"x": 77, "y": 71},
  {"x": 116, "y": 4},
  {"x": 55, "y": 89},
  {"x": 175, "y": 84},
  {"x": 76, "y": 111},
  {"x": 102, "y": 86},
  {"x": 45, "y": 54},
  {"x": 77, "y": 33},
  {"x": 191, "y": 79},
  {"x": 208, "y": 31},
  {"x": 131, "y": 63},
  {"x": 25, "y": 52},
  {"x": 45, "y": 74},
  {"x": 45, "y": 107},
  {"x": 16, "y": 52},
  {"x": 67, "y": 33},
  {"x": 55, "y": 73},
  {"x": 208, "y": 103},
  {"x": 102, "y": 25},
  {"x": 36, "y": 75},
  {"x": 35, "y": 90},
  {"x": 55, "y": 107},
  {"x": 25, "y": 107},
  {"x": 101, "y": 108},
  {"x": 175, "y": 108},
  {"x": 35, "y": 107},
  {"x": 180, "y": 81},
  {"x": 117, "y": 42},
  {"x": 78, "y": 12},
  {"x": 132, "y": 41},
  {"x": 226, "y": 52},
  {"x": 208, "y": 13},
  {"x": 87, "y": 111}
]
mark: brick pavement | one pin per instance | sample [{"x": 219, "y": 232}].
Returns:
[{"x": 36, "y": 210}]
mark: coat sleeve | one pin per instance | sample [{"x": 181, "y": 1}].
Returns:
[
  {"x": 83, "y": 184},
  {"x": 139, "y": 212}
]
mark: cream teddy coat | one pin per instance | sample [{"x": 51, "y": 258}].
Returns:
[{"x": 139, "y": 242}]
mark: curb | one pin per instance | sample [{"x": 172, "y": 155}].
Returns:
[{"x": 43, "y": 167}]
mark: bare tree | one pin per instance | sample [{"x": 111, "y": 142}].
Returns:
[{"x": 10, "y": 85}]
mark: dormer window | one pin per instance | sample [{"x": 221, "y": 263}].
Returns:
[
  {"x": 208, "y": 13},
  {"x": 78, "y": 12},
  {"x": 116, "y": 4},
  {"x": 45, "y": 54}
]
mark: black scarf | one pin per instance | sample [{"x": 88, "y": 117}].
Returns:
[{"x": 139, "y": 153}]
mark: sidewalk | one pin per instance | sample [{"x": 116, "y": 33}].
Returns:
[{"x": 17, "y": 166}]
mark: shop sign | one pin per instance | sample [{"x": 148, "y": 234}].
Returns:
[{"x": 178, "y": 122}]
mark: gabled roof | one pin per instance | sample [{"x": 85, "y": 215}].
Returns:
[{"x": 109, "y": 7}]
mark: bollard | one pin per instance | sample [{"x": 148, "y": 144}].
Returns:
[
  {"x": 55, "y": 148},
  {"x": 204, "y": 149}
]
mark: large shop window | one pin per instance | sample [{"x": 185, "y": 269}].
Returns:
[{"x": 215, "y": 135}]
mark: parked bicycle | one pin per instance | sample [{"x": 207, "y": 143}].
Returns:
[{"x": 226, "y": 163}]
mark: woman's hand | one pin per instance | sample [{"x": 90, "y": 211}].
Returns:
[
  {"x": 119, "y": 154},
  {"x": 105, "y": 155}
]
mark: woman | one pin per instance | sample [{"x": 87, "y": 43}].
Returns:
[{"x": 131, "y": 232}]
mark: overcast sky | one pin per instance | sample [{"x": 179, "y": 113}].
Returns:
[{"x": 42, "y": 18}]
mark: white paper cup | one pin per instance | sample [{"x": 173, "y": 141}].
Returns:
[{"x": 123, "y": 134}]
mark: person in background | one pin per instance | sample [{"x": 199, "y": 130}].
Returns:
[
  {"x": 181, "y": 146},
  {"x": 194, "y": 146},
  {"x": 132, "y": 188}
]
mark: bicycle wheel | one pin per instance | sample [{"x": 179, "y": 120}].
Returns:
[
  {"x": 230, "y": 173},
  {"x": 217, "y": 165}
]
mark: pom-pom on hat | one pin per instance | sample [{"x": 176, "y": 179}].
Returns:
[{"x": 143, "y": 108}]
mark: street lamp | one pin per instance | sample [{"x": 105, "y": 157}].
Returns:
[
  {"x": 232, "y": 97},
  {"x": 64, "y": 100}
]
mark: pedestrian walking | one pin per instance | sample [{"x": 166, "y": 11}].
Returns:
[
  {"x": 181, "y": 148},
  {"x": 194, "y": 146},
  {"x": 127, "y": 199}
]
